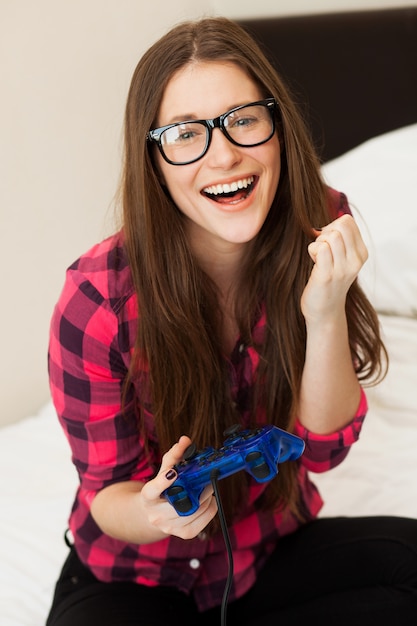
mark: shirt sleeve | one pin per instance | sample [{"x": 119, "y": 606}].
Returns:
[
  {"x": 88, "y": 364},
  {"x": 323, "y": 452},
  {"x": 338, "y": 203}
]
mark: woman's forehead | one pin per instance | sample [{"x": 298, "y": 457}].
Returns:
[{"x": 206, "y": 89}]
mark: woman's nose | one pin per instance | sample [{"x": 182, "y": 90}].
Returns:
[{"x": 222, "y": 152}]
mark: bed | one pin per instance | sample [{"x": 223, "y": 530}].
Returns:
[{"x": 355, "y": 76}]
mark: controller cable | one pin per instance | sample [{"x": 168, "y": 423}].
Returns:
[{"x": 214, "y": 481}]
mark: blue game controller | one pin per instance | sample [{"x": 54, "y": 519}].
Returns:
[{"x": 258, "y": 451}]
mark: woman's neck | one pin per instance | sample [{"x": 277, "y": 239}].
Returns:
[
  {"x": 221, "y": 262},
  {"x": 224, "y": 268}
]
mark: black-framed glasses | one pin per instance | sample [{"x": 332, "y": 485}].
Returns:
[{"x": 247, "y": 125}]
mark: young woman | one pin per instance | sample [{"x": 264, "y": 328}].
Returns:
[{"x": 229, "y": 296}]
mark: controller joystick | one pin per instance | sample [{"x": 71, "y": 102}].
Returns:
[
  {"x": 190, "y": 452},
  {"x": 258, "y": 451}
]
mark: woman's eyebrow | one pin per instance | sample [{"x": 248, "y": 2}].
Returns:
[
  {"x": 176, "y": 119},
  {"x": 189, "y": 117}
]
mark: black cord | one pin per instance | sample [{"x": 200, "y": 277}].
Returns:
[{"x": 223, "y": 524}]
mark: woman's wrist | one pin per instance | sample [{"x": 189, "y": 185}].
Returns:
[{"x": 120, "y": 513}]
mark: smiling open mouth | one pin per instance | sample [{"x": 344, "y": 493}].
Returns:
[{"x": 231, "y": 192}]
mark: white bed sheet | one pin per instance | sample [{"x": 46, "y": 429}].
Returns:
[
  {"x": 36, "y": 490},
  {"x": 378, "y": 477}
]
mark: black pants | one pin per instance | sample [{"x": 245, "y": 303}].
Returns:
[{"x": 344, "y": 571}]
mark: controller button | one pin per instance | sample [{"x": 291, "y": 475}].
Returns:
[
  {"x": 213, "y": 457},
  {"x": 174, "y": 490},
  {"x": 248, "y": 435},
  {"x": 253, "y": 456},
  {"x": 183, "y": 505},
  {"x": 261, "y": 471}
]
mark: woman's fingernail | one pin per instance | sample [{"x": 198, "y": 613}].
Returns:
[{"x": 171, "y": 474}]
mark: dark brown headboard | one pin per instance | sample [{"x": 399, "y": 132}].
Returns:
[{"x": 354, "y": 74}]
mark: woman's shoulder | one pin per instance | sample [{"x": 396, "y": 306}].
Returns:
[
  {"x": 107, "y": 255},
  {"x": 104, "y": 268}
]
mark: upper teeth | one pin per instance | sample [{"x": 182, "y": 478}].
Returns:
[{"x": 227, "y": 188}]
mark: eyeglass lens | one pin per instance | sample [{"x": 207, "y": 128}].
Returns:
[{"x": 247, "y": 126}]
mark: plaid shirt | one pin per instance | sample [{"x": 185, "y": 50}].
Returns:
[{"x": 92, "y": 337}]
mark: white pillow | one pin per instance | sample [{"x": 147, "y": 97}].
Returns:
[{"x": 380, "y": 179}]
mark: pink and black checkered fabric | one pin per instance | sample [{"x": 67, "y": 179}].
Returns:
[{"x": 92, "y": 337}]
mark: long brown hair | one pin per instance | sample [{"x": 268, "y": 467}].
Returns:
[{"x": 186, "y": 379}]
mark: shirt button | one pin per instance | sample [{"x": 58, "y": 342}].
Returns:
[{"x": 194, "y": 563}]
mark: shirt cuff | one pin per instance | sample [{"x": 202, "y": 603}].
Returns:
[{"x": 323, "y": 452}]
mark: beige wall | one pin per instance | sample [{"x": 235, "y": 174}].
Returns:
[{"x": 65, "y": 70}]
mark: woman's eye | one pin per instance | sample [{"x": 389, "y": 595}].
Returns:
[
  {"x": 243, "y": 122},
  {"x": 186, "y": 135}
]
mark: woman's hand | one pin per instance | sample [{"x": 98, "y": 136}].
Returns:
[
  {"x": 330, "y": 391},
  {"x": 137, "y": 512},
  {"x": 338, "y": 254},
  {"x": 161, "y": 514}
]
